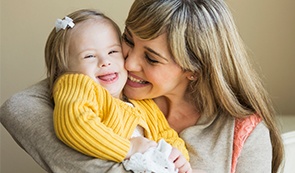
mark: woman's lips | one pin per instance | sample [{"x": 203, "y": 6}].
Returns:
[
  {"x": 133, "y": 79},
  {"x": 135, "y": 82}
]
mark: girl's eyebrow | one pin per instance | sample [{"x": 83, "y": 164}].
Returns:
[{"x": 147, "y": 48}]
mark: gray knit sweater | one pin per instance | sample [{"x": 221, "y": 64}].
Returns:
[{"x": 27, "y": 116}]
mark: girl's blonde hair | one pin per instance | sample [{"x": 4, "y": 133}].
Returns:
[
  {"x": 56, "y": 49},
  {"x": 203, "y": 39}
]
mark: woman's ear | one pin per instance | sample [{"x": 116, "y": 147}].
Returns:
[{"x": 192, "y": 76}]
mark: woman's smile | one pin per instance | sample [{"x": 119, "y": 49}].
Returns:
[{"x": 134, "y": 81}]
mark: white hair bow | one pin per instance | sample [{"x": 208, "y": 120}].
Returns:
[{"x": 62, "y": 24}]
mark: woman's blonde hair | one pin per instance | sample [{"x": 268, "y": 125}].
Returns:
[
  {"x": 56, "y": 48},
  {"x": 203, "y": 39}
]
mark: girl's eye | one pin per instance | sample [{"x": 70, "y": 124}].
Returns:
[
  {"x": 150, "y": 60},
  {"x": 127, "y": 41},
  {"x": 89, "y": 56}
]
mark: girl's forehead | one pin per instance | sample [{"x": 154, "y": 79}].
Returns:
[{"x": 88, "y": 25}]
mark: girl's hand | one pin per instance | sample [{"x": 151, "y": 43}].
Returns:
[
  {"x": 179, "y": 161},
  {"x": 140, "y": 145}
]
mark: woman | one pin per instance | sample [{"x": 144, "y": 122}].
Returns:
[{"x": 188, "y": 57}]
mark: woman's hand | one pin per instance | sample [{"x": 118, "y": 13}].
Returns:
[
  {"x": 179, "y": 161},
  {"x": 140, "y": 145}
]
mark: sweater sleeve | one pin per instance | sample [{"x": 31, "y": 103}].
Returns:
[
  {"x": 160, "y": 129},
  {"x": 258, "y": 148},
  {"x": 81, "y": 121},
  {"x": 171, "y": 136}
]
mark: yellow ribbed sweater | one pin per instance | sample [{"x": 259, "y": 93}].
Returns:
[{"x": 88, "y": 119}]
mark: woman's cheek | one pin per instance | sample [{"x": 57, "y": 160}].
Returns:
[{"x": 125, "y": 50}]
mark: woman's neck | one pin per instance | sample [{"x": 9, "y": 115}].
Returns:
[{"x": 179, "y": 113}]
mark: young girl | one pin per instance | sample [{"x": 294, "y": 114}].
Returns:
[{"x": 86, "y": 68}]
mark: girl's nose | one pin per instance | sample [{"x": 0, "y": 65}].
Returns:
[{"x": 104, "y": 62}]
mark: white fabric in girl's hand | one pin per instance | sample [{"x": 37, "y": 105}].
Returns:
[{"x": 154, "y": 160}]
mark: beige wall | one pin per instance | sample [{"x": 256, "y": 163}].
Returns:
[{"x": 267, "y": 26}]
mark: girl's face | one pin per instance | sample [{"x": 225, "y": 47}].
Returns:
[
  {"x": 151, "y": 69},
  {"x": 95, "y": 50}
]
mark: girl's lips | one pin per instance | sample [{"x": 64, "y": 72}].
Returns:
[{"x": 108, "y": 78}]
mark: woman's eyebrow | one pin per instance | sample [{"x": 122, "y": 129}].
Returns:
[
  {"x": 156, "y": 53},
  {"x": 147, "y": 48}
]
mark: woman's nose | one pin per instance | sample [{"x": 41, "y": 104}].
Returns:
[
  {"x": 132, "y": 57},
  {"x": 133, "y": 61}
]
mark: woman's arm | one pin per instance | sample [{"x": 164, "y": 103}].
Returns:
[{"x": 27, "y": 116}]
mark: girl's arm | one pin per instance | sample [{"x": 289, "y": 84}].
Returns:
[
  {"x": 80, "y": 121},
  {"x": 159, "y": 127}
]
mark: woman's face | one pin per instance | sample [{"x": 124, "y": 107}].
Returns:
[{"x": 151, "y": 69}]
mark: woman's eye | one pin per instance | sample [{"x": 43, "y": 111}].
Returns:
[
  {"x": 150, "y": 60},
  {"x": 89, "y": 56},
  {"x": 127, "y": 41},
  {"x": 113, "y": 51}
]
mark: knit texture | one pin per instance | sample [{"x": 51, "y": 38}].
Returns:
[
  {"x": 88, "y": 119},
  {"x": 27, "y": 116},
  {"x": 243, "y": 129}
]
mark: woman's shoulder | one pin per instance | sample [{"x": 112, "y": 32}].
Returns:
[{"x": 244, "y": 127}]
